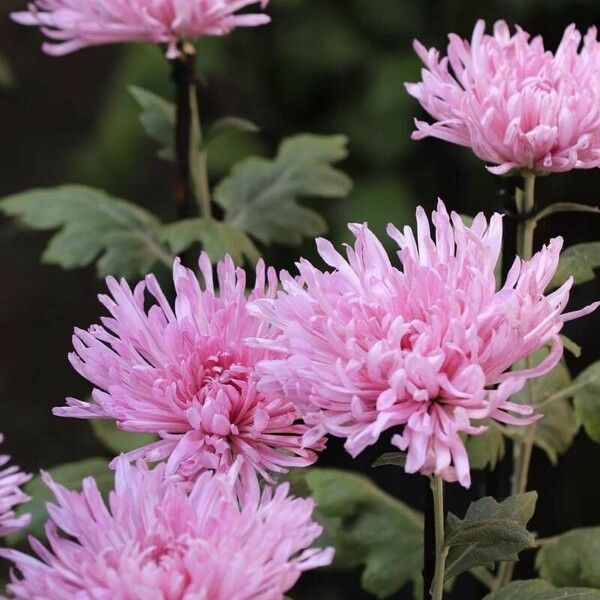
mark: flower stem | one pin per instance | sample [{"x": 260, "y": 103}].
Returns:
[
  {"x": 192, "y": 178},
  {"x": 435, "y": 557},
  {"x": 522, "y": 450}
]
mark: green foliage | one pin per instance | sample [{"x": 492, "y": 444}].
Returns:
[
  {"x": 572, "y": 558},
  {"x": 116, "y": 440},
  {"x": 261, "y": 196},
  {"x": 555, "y": 433},
  {"x": 69, "y": 475},
  {"x": 535, "y": 589},
  {"x": 486, "y": 449},
  {"x": 366, "y": 526},
  {"x": 395, "y": 459},
  {"x": 587, "y": 400},
  {"x": 216, "y": 238},
  {"x": 7, "y": 77},
  {"x": 490, "y": 532},
  {"x": 228, "y": 124},
  {"x": 579, "y": 261},
  {"x": 158, "y": 119},
  {"x": 120, "y": 236}
]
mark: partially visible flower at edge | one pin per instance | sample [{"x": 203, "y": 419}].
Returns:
[
  {"x": 11, "y": 495},
  {"x": 515, "y": 104},
  {"x": 424, "y": 350},
  {"x": 188, "y": 375},
  {"x": 158, "y": 540},
  {"x": 75, "y": 24}
]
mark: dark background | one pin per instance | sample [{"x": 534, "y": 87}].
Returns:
[{"x": 324, "y": 66}]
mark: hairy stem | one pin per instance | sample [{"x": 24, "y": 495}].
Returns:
[
  {"x": 191, "y": 185},
  {"x": 436, "y": 586},
  {"x": 522, "y": 450}
]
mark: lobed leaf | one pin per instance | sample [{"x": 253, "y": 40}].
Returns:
[
  {"x": 572, "y": 558},
  {"x": 587, "y": 400},
  {"x": 216, "y": 238},
  {"x": 486, "y": 449},
  {"x": 157, "y": 118},
  {"x": 71, "y": 476},
  {"x": 116, "y": 440},
  {"x": 555, "y": 433},
  {"x": 578, "y": 261},
  {"x": 366, "y": 526},
  {"x": 490, "y": 532},
  {"x": 536, "y": 589},
  {"x": 261, "y": 196},
  {"x": 93, "y": 226}
]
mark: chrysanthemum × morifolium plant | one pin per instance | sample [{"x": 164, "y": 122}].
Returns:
[
  {"x": 426, "y": 349},
  {"x": 158, "y": 539},
  {"x": 188, "y": 374},
  {"x": 75, "y": 24},
  {"x": 516, "y": 104}
]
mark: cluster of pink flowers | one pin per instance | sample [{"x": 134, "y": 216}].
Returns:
[
  {"x": 158, "y": 540},
  {"x": 517, "y": 105},
  {"x": 189, "y": 375},
  {"x": 11, "y": 495},
  {"x": 75, "y": 24},
  {"x": 428, "y": 348}
]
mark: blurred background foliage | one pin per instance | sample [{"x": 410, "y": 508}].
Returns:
[{"x": 323, "y": 66}]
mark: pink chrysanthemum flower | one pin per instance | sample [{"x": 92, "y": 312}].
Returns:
[
  {"x": 515, "y": 104},
  {"x": 188, "y": 375},
  {"x": 11, "y": 495},
  {"x": 424, "y": 350},
  {"x": 157, "y": 541},
  {"x": 75, "y": 24}
]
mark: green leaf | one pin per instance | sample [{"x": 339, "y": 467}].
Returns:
[
  {"x": 7, "y": 77},
  {"x": 70, "y": 475},
  {"x": 367, "y": 527},
  {"x": 571, "y": 346},
  {"x": 261, "y": 196},
  {"x": 486, "y": 449},
  {"x": 216, "y": 238},
  {"x": 93, "y": 226},
  {"x": 555, "y": 433},
  {"x": 119, "y": 441},
  {"x": 396, "y": 459},
  {"x": 587, "y": 400},
  {"x": 579, "y": 261},
  {"x": 157, "y": 118},
  {"x": 490, "y": 532},
  {"x": 572, "y": 558},
  {"x": 229, "y": 124},
  {"x": 535, "y": 589},
  {"x": 570, "y": 207}
]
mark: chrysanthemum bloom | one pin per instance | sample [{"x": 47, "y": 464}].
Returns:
[
  {"x": 515, "y": 104},
  {"x": 11, "y": 495},
  {"x": 423, "y": 350},
  {"x": 75, "y": 24},
  {"x": 156, "y": 541},
  {"x": 188, "y": 374}
]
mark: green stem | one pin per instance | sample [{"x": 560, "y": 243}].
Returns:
[
  {"x": 522, "y": 450},
  {"x": 198, "y": 161},
  {"x": 192, "y": 176},
  {"x": 441, "y": 552}
]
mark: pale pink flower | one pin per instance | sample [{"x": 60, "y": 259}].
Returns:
[
  {"x": 188, "y": 374},
  {"x": 515, "y": 104},
  {"x": 156, "y": 541},
  {"x": 75, "y": 24},
  {"x": 424, "y": 350},
  {"x": 11, "y": 495}
]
